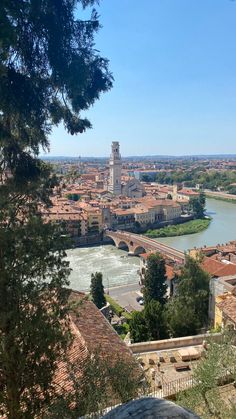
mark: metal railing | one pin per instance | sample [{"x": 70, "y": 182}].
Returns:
[
  {"x": 171, "y": 388},
  {"x": 168, "y": 389}
]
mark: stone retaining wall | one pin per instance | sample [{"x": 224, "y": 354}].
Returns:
[{"x": 159, "y": 345}]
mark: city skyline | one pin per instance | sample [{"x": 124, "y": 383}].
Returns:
[
  {"x": 175, "y": 81},
  {"x": 151, "y": 156}
]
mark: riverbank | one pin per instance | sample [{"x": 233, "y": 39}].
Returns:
[
  {"x": 221, "y": 198},
  {"x": 190, "y": 227},
  {"x": 120, "y": 269}
]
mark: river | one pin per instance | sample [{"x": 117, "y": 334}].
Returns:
[{"x": 118, "y": 268}]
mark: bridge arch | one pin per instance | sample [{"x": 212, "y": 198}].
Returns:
[
  {"x": 113, "y": 240},
  {"x": 139, "y": 250},
  {"x": 123, "y": 245}
]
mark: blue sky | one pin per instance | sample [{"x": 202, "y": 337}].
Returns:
[{"x": 174, "y": 64}]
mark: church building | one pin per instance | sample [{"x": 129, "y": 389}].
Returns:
[{"x": 131, "y": 188}]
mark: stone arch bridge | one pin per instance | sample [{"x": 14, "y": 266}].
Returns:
[{"x": 136, "y": 244}]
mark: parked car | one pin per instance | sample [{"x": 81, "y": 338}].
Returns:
[{"x": 140, "y": 300}]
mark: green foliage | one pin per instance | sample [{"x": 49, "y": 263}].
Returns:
[
  {"x": 104, "y": 382},
  {"x": 116, "y": 308},
  {"x": 213, "y": 179},
  {"x": 216, "y": 329},
  {"x": 50, "y": 72},
  {"x": 190, "y": 227},
  {"x": 183, "y": 315},
  {"x": 149, "y": 324},
  {"x": 73, "y": 197},
  {"x": 97, "y": 290},
  {"x": 197, "y": 205},
  {"x": 180, "y": 318},
  {"x": 33, "y": 313},
  {"x": 215, "y": 369},
  {"x": 187, "y": 311},
  {"x": 146, "y": 178},
  {"x": 138, "y": 327},
  {"x": 122, "y": 329},
  {"x": 154, "y": 314},
  {"x": 155, "y": 277},
  {"x": 232, "y": 189}
]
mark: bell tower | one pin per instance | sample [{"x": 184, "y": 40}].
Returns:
[{"x": 114, "y": 185}]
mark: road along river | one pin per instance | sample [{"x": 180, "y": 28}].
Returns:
[{"x": 118, "y": 268}]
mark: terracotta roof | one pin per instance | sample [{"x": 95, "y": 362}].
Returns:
[
  {"x": 211, "y": 266},
  {"x": 228, "y": 307},
  {"x": 96, "y": 330},
  {"x": 217, "y": 268},
  {"x": 92, "y": 333},
  {"x": 152, "y": 202},
  {"x": 170, "y": 272},
  {"x": 188, "y": 192},
  {"x": 145, "y": 255},
  {"x": 227, "y": 270},
  {"x": 120, "y": 211},
  {"x": 63, "y": 217}
]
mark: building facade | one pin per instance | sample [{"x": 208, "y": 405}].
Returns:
[{"x": 133, "y": 189}]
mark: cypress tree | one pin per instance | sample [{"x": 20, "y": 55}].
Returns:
[
  {"x": 155, "y": 279},
  {"x": 97, "y": 290}
]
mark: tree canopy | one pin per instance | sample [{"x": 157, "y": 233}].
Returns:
[
  {"x": 155, "y": 279},
  {"x": 155, "y": 319},
  {"x": 105, "y": 381},
  {"x": 183, "y": 314},
  {"x": 33, "y": 314},
  {"x": 197, "y": 205},
  {"x": 216, "y": 368},
  {"x": 138, "y": 327},
  {"x": 208, "y": 179},
  {"x": 149, "y": 324},
  {"x": 187, "y": 311},
  {"x": 50, "y": 73}
]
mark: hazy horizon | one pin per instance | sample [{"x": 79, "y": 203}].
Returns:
[{"x": 227, "y": 155}]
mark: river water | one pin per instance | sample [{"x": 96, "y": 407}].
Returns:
[{"x": 118, "y": 268}]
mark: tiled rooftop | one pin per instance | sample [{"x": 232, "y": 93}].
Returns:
[
  {"x": 92, "y": 333},
  {"x": 228, "y": 307}
]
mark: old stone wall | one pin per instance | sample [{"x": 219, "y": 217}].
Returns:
[{"x": 159, "y": 345}]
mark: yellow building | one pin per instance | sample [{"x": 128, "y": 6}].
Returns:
[
  {"x": 225, "y": 310},
  {"x": 172, "y": 211},
  {"x": 94, "y": 219},
  {"x": 144, "y": 216}
]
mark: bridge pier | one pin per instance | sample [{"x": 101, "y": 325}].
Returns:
[{"x": 131, "y": 254}]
